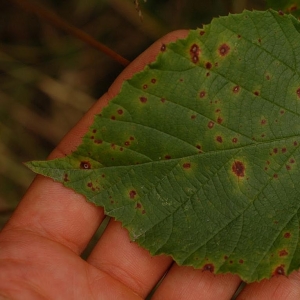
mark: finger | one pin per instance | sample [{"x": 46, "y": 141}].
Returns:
[
  {"x": 126, "y": 261},
  {"x": 187, "y": 283},
  {"x": 32, "y": 267},
  {"x": 277, "y": 288},
  {"x": 56, "y": 212}
]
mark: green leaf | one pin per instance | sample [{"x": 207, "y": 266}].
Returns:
[
  {"x": 287, "y": 6},
  {"x": 198, "y": 155}
]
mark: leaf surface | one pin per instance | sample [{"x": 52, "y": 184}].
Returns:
[{"x": 198, "y": 155}]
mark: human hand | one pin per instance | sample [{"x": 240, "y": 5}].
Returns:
[{"x": 40, "y": 246}]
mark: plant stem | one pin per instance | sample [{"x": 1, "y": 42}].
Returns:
[{"x": 58, "y": 22}]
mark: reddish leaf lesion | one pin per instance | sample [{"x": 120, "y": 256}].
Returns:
[{"x": 238, "y": 168}]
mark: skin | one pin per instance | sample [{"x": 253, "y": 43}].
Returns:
[{"x": 41, "y": 244}]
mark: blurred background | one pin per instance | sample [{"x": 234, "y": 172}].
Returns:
[{"x": 49, "y": 78}]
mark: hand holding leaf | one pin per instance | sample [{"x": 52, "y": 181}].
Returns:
[{"x": 198, "y": 154}]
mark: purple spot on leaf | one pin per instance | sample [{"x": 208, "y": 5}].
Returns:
[
  {"x": 210, "y": 124},
  {"x": 208, "y": 65},
  {"x": 224, "y": 49},
  {"x": 238, "y": 169},
  {"x": 186, "y": 165},
  {"x": 194, "y": 53},
  {"x": 219, "y": 139},
  {"x": 279, "y": 270},
  {"x": 236, "y": 89},
  {"x": 66, "y": 177},
  {"x": 209, "y": 267},
  {"x": 143, "y": 99},
  {"x": 202, "y": 94},
  {"x": 85, "y": 165},
  {"x": 132, "y": 194}
]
